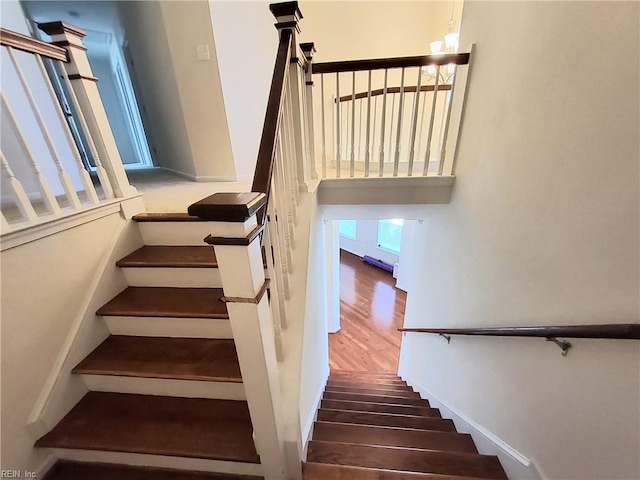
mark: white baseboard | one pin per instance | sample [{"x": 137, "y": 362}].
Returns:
[
  {"x": 307, "y": 429},
  {"x": 47, "y": 465},
  {"x": 515, "y": 464},
  {"x": 205, "y": 178}
]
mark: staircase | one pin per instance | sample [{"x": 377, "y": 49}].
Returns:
[
  {"x": 165, "y": 386},
  {"x": 373, "y": 426}
]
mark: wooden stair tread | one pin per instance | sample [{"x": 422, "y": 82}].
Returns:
[
  {"x": 164, "y": 357},
  {"x": 385, "y": 419},
  {"x": 325, "y": 471},
  {"x": 361, "y": 384},
  {"x": 360, "y": 397},
  {"x": 157, "y": 425},
  {"x": 166, "y": 217},
  {"x": 151, "y": 256},
  {"x": 406, "y": 459},
  {"x": 394, "y": 437},
  {"x": 380, "y": 408},
  {"x": 167, "y": 302},
  {"x": 374, "y": 391},
  {"x": 69, "y": 470}
]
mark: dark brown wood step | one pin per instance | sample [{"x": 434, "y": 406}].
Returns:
[
  {"x": 380, "y": 408},
  {"x": 406, "y": 459},
  {"x": 167, "y": 302},
  {"x": 363, "y": 384},
  {"x": 325, "y": 471},
  {"x": 374, "y": 391},
  {"x": 166, "y": 217},
  {"x": 362, "y": 374},
  {"x": 157, "y": 425},
  {"x": 359, "y": 397},
  {"x": 393, "y": 437},
  {"x": 68, "y": 470},
  {"x": 162, "y": 357},
  {"x": 156, "y": 256},
  {"x": 367, "y": 379},
  {"x": 385, "y": 419}
]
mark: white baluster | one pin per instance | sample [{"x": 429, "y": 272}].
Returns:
[
  {"x": 338, "y": 129},
  {"x": 360, "y": 127},
  {"x": 285, "y": 214},
  {"x": 367, "y": 148},
  {"x": 427, "y": 156},
  {"x": 20, "y": 196},
  {"x": 100, "y": 170},
  {"x": 396, "y": 160},
  {"x": 63, "y": 176},
  {"x": 414, "y": 124},
  {"x": 324, "y": 139},
  {"x": 383, "y": 118},
  {"x": 273, "y": 301},
  {"x": 280, "y": 254},
  {"x": 84, "y": 175},
  {"x": 290, "y": 163},
  {"x": 421, "y": 129},
  {"x": 352, "y": 161},
  {"x": 447, "y": 121},
  {"x": 48, "y": 197}
]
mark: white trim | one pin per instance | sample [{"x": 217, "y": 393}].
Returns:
[
  {"x": 203, "y": 178},
  {"x": 307, "y": 430},
  {"x": 515, "y": 464},
  {"x": 52, "y": 225},
  {"x": 46, "y": 465},
  {"x": 161, "y": 461}
]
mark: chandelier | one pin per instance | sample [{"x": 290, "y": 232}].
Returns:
[{"x": 444, "y": 73}]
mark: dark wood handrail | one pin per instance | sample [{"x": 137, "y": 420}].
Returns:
[
  {"x": 16, "y": 40},
  {"x": 384, "y": 63},
  {"x": 622, "y": 331},
  {"x": 266, "y": 151},
  {"x": 408, "y": 89}
]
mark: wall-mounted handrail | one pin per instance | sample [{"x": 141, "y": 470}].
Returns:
[
  {"x": 9, "y": 38},
  {"x": 622, "y": 331},
  {"x": 387, "y": 63}
]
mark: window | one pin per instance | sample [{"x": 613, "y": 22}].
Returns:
[
  {"x": 390, "y": 234},
  {"x": 348, "y": 228}
]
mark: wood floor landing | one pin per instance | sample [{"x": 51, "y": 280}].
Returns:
[
  {"x": 167, "y": 302},
  {"x": 66, "y": 470},
  {"x": 156, "y": 425},
  {"x": 163, "y": 357}
]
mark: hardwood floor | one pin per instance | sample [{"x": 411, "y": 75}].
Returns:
[{"x": 371, "y": 311}]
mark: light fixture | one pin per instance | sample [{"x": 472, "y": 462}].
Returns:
[{"x": 450, "y": 45}]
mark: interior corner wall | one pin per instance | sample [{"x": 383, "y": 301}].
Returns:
[
  {"x": 182, "y": 95},
  {"x": 542, "y": 229}
]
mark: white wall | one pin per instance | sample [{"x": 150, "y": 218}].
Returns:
[
  {"x": 366, "y": 242},
  {"x": 542, "y": 229},
  {"x": 182, "y": 95}
]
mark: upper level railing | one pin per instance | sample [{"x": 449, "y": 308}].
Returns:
[
  {"x": 390, "y": 117},
  {"x": 616, "y": 331},
  {"x": 44, "y": 174}
]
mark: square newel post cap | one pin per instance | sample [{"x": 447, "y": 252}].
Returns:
[
  {"x": 61, "y": 28},
  {"x": 287, "y": 14},
  {"x": 308, "y": 49},
  {"x": 228, "y": 207}
]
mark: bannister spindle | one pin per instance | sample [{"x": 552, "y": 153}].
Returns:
[
  {"x": 63, "y": 176},
  {"x": 352, "y": 160},
  {"x": 367, "y": 151},
  {"x": 105, "y": 182},
  {"x": 396, "y": 160},
  {"x": 84, "y": 175},
  {"x": 324, "y": 136},
  {"x": 287, "y": 202},
  {"x": 48, "y": 197},
  {"x": 421, "y": 129},
  {"x": 383, "y": 118},
  {"x": 280, "y": 251},
  {"x": 275, "y": 306},
  {"x": 448, "y": 103},
  {"x": 22, "y": 199},
  {"x": 414, "y": 124},
  {"x": 338, "y": 129},
  {"x": 427, "y": 156},
  {"x": 291, "y": 159},
  {"x": 308, "y": 50}
]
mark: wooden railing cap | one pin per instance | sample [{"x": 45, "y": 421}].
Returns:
[
  {"x": 57, "y": 28},
  {"x": 228, "y": 207},
  {"x": 285, "y": 9},
  {"x": 28, "y": 44}
]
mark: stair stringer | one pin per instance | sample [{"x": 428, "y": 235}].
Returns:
[{"x": 62, "y": 390}]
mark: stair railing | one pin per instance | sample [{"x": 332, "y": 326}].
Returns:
[
  {"x": 390, "y": 117},
  {"x": 43, "y": 170}
]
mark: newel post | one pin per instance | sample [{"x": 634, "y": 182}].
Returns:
[
  {"x": 236, "y": 240},
  {"x": 86, "y": 90},
  {"x": 308, "y": 49},
  {"x": 288, "y": 16}
]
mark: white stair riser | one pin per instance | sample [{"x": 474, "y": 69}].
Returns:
[
  {"x": 191, "y": 233},
  {"x": 169, "y": 327},
  {"x": 168, "y": 387},
  {"x": 160, "y": 461},
  {"x": 173, "y": 277}
]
